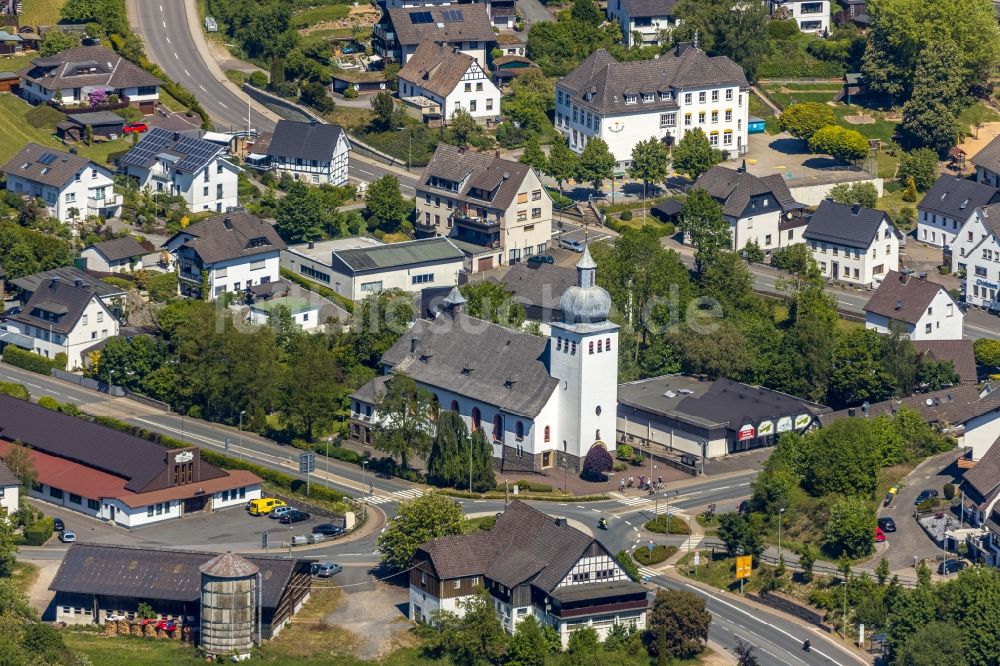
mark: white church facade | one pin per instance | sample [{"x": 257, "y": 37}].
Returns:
[{"x": 543, "y": 402}]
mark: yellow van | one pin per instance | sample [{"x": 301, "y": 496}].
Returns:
[{"x": 264, "y": 505}]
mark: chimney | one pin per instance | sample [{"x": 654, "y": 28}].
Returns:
[
  {"x": 312, "y": 244},
  {"x": 227, "y": 222},
  {"x": 177, "y": 136},
  {"x": 77, "y": 283},
  {"x": 743, "y": 167},
  {"x": 413, "y": 344},
  {"x": 55, "y": 282},
  {"x": 899, "y": 305},
  {"x": 850, "y": 411},
  {"x": 560, "y": 521},
  {"x": 864, "y": 408},
  {"x": 855, "y": 209},
  {"x": 922, "y": 277}
]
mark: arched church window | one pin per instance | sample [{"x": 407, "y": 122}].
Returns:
[
  {"x": 519, "y": 431},
  {"x": 548, "y": 432},
  {"x": 454, "y": 405},
  {"x": 600, "y": 346},
  {"x": 497, "y": 428},
  {"x": 477, "y": 419},
  {"x": 591, "y": 346}
]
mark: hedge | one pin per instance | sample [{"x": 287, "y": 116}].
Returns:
[
  {"x": 527, "y": 487},
  {"x": 162, "y": 287},
  {"x": 39, "y": 532},
  {"x": 15, "y": 390},
  {"x": 325, "y": 292},
  {"x": 660, "y": 553},
  {"x": 659, "y": 524},
  {"x": 27, "y": 360}
]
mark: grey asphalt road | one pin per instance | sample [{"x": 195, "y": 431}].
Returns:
[{"x": 164, "y": 29}]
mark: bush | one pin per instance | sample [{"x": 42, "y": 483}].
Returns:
[
  {"x": 949, "y": 491},
  {"x": 325, "y": 292},
  {"x": 27, "y": 360},
  {"x": 258, "y": 79},
  {"x": 38, "y": 532},
  {"x": 628, "y": 564},
  {"x": 162, "y": 287},
  {"x": 15, "y": 390},
  {"x": 597, "y": 464},
  {"x": 624, "y": 452},
  {"x": 660, "y": 553},
  {"x": 626, "y": 215},
  {"x": 350, "y": 93},
  {"x": 121, "y": 283},
  {"x": 659, "y": 525}
]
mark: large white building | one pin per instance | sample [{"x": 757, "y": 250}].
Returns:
[
  {"x": 643, "y": 22},
  {"x": 853, "y": 244},
  {"x": 450, "y": 80},
  {"x": 226, "y": 253},
  {"x": 72, "y": 187},
  {"x": 466, "y": 27},
  {"x": 758, "y": 209},
  {"x": 71, "y": 76},
  {"x": 924, "y": 310},
  {"x": 976, "y": 255},
  {"x": 178, "y": 165},
  {"x": 812, "y": 16},
  {"x": 315, "y": 153},
  {"x": 64, "y": 318},
  {"x": 542, "y": 401},
  {"x": 627, "y": 102},
  {"x": 947, "y": 205}
]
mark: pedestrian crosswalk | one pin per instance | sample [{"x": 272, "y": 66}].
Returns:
[
  {"x": 646, "y": 503},
  {"x": 378, "y": 499},
  {"x": 634, "y": 501},
  {"x": 690, "y": 543},
  {"x": 396, "y": 496},
  {"x": 412, "y": 493},
  {"x": 648, "y": 573}
]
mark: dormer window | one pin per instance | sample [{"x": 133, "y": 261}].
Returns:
[
  {"x": 258, "y": 242},
  {"x": 630, "y": 99},
  {"x": 665, "y": 95},
  {"x": 647, "y": 97}
]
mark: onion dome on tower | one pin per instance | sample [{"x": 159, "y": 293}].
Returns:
[{"x": 585, "y": 303}]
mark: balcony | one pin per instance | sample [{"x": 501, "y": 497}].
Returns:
[
  {"x": 469, "y": 219},
  {"x": 108, "y": 201}
]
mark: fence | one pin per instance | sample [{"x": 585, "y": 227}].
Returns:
[{"x": 87, "y": 382}]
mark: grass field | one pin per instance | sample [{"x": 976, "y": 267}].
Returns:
[
  {"x": 40, "y": 12},
  {"x": 319, "y": 15},
  {"x": 16, "y": 132},
  {"x": 784, "y": 94}
]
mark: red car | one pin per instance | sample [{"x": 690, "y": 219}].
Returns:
[
  {"x": 136, "y": 127},
  {"x": 879, "y": 535}
]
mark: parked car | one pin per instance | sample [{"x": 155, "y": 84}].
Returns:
[
  {"x": 136, "y": 128},
  {"x": 951, "y": 566},
  {"x": 541, "y": 259},
  {"x": 879, "y": 534},
  {"x": 890, "y": 496},
  {"x": 67, "y": 536},
  {"x": 327, "y": 529},
  {"x": 925, "y": 495},
  {"x": 325, "y": 569},
  {"x": 58, "y": 525},
  {"x": 887, "y": 524},
  {"x": 264, "y": 505},
  {"x": 743, "y": 507},
  {"x": 279, "y": 511},
  {"x": 570, "y": 244},
  {"x": 293, "y": 516}
]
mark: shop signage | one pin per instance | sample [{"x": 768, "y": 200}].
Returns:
[
  {"x": 746, "y": 432},
  {"x": 784, "y": 424},
  {"x": 184, "y": 456},
  {"x": 765, "y": 428},
  {"x": 802, "y": 420}
]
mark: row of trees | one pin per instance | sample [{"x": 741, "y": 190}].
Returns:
[{"x": 815, "y": 124}]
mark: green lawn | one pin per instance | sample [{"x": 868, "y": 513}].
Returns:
[
  {"x": 785, "y": 94},
  {"x": 16, "y": 131},
  {"x": 40, "y": 12},
  {"x": 320, "y": 15}
]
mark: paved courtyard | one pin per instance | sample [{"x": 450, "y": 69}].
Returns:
[{"x": 782, "y": 153}]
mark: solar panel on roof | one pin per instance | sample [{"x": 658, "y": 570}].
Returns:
[
  {"x": 47, "y": 158},
  {"x": 421, "y": 17},
  {"x": 453, "y": 16}
]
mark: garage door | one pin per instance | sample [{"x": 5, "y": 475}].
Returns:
[
  {"x": 486, "y": 263},
  {"x": 147, "y": 107}
]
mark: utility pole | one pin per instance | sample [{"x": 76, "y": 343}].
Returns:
[
  {"x": 239, "y": 451},
  {"x": 781, "y": 512},
  {"x": 470, "y": 464}
]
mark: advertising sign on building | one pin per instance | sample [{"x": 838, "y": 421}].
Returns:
[
  {"x": 184, "y": 456},
  {"x": 784, "y": 424},
  {"x": 765, "y": 428},
  {"x": 746, "y": 432},
  {"x": 802, "y": 420}
]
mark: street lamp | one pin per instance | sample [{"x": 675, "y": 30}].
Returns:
[
  {"x": 781, "y": 512},
  {"x": 409, "y": 154},
  {"x": 239, "y": 452},
  {"x": 364, "y": 504}
]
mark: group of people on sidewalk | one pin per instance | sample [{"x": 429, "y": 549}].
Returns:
[{"x": 644, "y": 484}]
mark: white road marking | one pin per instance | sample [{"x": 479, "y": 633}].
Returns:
[
  {"x": 187, "y": 73},
  {"x": 628, "y": 523},
  {"x": 168, "y": 40},
  {"x": 223, "y": 104},
  {"x": 176, "y": 57},
  {"x": 164, "y": 24},
  {"x": 202, "y": 87},
  {"x": 161, "y": 8}
]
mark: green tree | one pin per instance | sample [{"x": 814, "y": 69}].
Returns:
[
  {"x": 694, "y": 155},
  {"x": 842, "y": 458},
  {"x": 863, "y": 194},
  {"x": 805, "y": 119},
  {"x": 722, "y": 30},
  {"x": 56, "y": 40},
  {"x": 19, "y": 461},
  {"x": 843, "y": 144},
  {"x": 806, "y": 560},
  {"x": 531, "y": 643},
  {"x": 702, "y": 221},
  {"x": 933, "y": 644},
  {"x": 910, "y": 193},
  {"x": 377, "y": 323},
  {"x": 448, "y": 461},
  {"x": 483, "y": 478},
  {"x": 650, "y": 162},
  {"x": 596, "y": 164},
  {"x": 935, "y": 375},
  {"x": 387, "y": 116},
  {"x": 930, "y": 124},
  {"x": 882, "y": 570},
  {"x": 301, "y": 215},
  {"x": 752, "y": 253},
  {"x": 858, "y": 374},
  {"x": 8, "y": 547},
  {"x": 385, "y": 201},
  {"x": 313, "y": 388},
  {"x": 528, "y": 100},
  {"x": 981, "y": 588},
  {"x": 987, "y": 352},
  {"x": 533, "y": 156},
  {"x": 742, "y": 533},
  {"x": 851, "y": 527},
  {"x": 418, "y": 521},
  {"x": 921, "y": 165},
  {"x": 475, "y": 638},
  {"x": 910, "y": 611},
  {"x": 489, "y": 300},
  {"x": 586, "y": 12},
  {"x": 405, "y": 413},
  {"x": 583, "y": 642},
  {"x": 562, "y": 163},
  {"x": 899, "y": 358},
  {"x": 313, "y": 93},
  {"x": 463, "y": 128},
  {"x": 678, "y": 624}
]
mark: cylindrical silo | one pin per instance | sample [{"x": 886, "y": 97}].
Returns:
[{"x": 228, "y": 606}]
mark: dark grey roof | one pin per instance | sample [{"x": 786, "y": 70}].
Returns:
[
  {"x": 539, "y": 285},
  {"x": 188, "y": 153},
  {"x": 436, "y": 67},
  {"x": 449, "y": 354},
  {"x": 647, "y": 8},
  {"x": 903, "y": 297},
  {"x": 47, "y": 165},
  {"x": 156, "y": 573},
  {"x": 470, "y": 169},
  {"x": 524, "y": 544},
  {"x": 960, "y": 352},
  {"x": 372, "y": 391},
  {"x": 57, "y": 306},
  {"x": 79, "y": 440},
  {"x": 952, "y": 406},
  {"x": 982, "y": 482},
  {"x": 989, "y": 156},
  {"x": 82, "y": 66},
  {"x": 853, "y": 226},
  {"x": 956, "y": 197},
  {"x": 398, "y": 255},
  {"x": 735, "y": 189},
  {"x": 120, "y": 248},
  {"x": 230, "y": 236},
  {"x": 712, "y": 404},
  {"x": 667, "y": 210},
  {"x": 96, "y": 118},
  {"x": 7, "y": 477},
  {"x": 69, "y": 275},
  {"x": 601, "y": 82},
  {"x": 474, "y": 24},
  {"x": 306, "y": 140}
]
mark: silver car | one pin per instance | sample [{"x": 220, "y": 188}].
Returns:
[
  {"x": 279, "y": 511},
  {"x": 570, "y": 244}
]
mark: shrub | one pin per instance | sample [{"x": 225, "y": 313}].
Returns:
[
  {"x": 38, "y": 532},
  {"x": 659, "y": 525},
  {"x": 27, "y": 360},
  {"x": 162, "y": 287},
  {"x": 626, "y": 215},
  {"x": 597, "y": 464},
  {"x": 15, "y": 390},
  {"x": 624, "y": 452},
  {"x": 121, "y": 283},
  {"x": 628, "y": 564},
  {"x": 350, "y": 93},
  {"x": 258, "y": 79},
  {"x": 49, "y": 402},
  {"x": 949, "y": 491},
  {"x": 660, "y": 553}
]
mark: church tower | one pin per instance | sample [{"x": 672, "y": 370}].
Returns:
[{"x": 584, "y": 358}]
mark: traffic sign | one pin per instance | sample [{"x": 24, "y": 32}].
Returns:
[
  {"x": 307, "y": 463},
  {"x": 744, "y": 565}
]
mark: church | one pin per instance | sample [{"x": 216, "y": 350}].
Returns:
[{"x": 543, "y": 402}]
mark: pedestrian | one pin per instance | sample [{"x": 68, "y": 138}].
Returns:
[
  {"x": 660, "y": 480},
  {"x": 621, "y": 486}
]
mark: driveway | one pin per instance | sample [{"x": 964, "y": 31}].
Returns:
[{"x": 909, "y": 541}]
